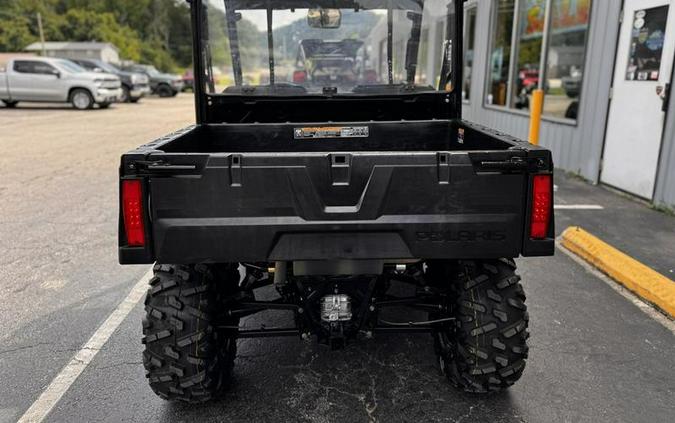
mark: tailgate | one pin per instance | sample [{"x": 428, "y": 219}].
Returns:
[{"x": 223, "y": 207}]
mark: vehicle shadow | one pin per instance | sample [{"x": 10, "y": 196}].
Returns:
[
  {"x": 392, "y": 378},
  {"x": 43, "y": 107}
]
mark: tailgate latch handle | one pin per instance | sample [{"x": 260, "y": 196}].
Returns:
[
  {"x": 512, "y": 164},
  {"x": 162, "y": 167}
]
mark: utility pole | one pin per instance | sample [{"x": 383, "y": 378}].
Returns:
[{"x": 42, "y": 34}]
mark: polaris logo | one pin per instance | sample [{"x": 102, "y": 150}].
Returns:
[{"x": 461, "y": 236}]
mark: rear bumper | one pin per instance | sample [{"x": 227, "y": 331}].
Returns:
[
  {"x": 389, "y": 237},
  {"x": 287, "y": 239},
  {"x": 177, "y": 86}
]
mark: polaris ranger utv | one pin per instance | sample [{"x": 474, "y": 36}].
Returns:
[{"x": 332, "y": 198}]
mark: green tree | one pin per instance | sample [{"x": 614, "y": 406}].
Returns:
[
  {"x": 152, "y": 31},
  {"x": 84, "y": 25}
]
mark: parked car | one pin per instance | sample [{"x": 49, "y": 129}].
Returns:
[
  {"x": 162, "y": 84},
  {"x": 528, "y": 79},
  {"x": 40, "y": 79},
  {"x": 572, "y": 83},
  {"x": 327, "y": 63},
  {"x": 188, "y": 80},
  {"x": 135, "y": 85},
  {"x": 340, "y": 204}
]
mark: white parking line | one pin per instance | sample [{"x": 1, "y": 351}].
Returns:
[
  {"x": 578, "y": 207},
  {"x": 62, "y": 382}
]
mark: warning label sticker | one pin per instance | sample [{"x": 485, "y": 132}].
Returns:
[{"x": 321, "y": 132}]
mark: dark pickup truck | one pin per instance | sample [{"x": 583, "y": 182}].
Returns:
[{"x": 346, "y": 202}]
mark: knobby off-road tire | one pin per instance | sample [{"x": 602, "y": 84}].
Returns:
[
  {"x": 486, "y": 347},
  {"x": 186, "y": 357}
]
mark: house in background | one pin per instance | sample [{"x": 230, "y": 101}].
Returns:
[{"x": 78, "y": 50}]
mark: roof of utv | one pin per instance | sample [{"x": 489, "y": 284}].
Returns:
[{"x": 335, "y": 4}]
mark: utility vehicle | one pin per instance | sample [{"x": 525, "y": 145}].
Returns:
[
  {"x": 343, "y": 202},
  {"x": 328, "y": 63}
]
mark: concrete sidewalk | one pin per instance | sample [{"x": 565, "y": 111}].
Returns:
[{"x": 627, "y": 224}]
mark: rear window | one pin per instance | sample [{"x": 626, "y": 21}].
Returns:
[
  {"x": 357, "y": 47},
  {"x": 23, "y": 66}
]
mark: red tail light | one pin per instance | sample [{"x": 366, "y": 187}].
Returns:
[
  {"x": 132, "y": 211},
  {"x": 299, "y": 77},
  {"x": 542, "y": 200}
]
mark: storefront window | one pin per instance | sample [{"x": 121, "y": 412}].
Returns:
[
  {"x": 565, "y": 62},
  {"x": 531, "y": 20},
  {"x": 500, "y": 53},
  {"x": 469, "y": 42}
]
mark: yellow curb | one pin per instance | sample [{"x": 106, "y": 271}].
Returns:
[{"x": 642, "y": 280}]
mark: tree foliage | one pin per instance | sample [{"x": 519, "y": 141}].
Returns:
[{"x": 149, "y": 31}]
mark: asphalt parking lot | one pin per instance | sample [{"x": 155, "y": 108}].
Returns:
[{"x": 594, "y": 355}]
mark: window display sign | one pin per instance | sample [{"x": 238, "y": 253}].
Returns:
[
  {"x": 646, "y": 47},
  {"x": 568, "y": 15}
]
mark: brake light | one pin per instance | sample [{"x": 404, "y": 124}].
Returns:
[
  {"x": 132, "y": 211},
  {"x": 299, "y": 76},
  {"x": 542, "y": 200}
]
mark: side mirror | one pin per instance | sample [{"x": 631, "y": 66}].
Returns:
[
  {"x": 324, "y": 18},
  {"x": 98, "y": 70},
  {"x": 56, "y": 73}
]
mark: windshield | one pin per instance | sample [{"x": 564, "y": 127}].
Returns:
[
  {"x": 296, "y": 47},
  {"x": 106, "y": 67},
  {"x": 69, "y": 66},
  {"x": 151, "y": 70}
]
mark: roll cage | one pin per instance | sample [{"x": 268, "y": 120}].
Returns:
[{"x": 242, "y": 106}]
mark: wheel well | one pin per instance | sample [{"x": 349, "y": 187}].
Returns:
[{"x": 70, "y": 92}]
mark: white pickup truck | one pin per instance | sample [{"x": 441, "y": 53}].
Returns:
[{"x": 40, "y": 79}]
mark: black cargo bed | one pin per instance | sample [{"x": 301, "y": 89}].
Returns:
[
  {"x": 432, "y": 190},
  {"x": 441, "y": 135}
]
